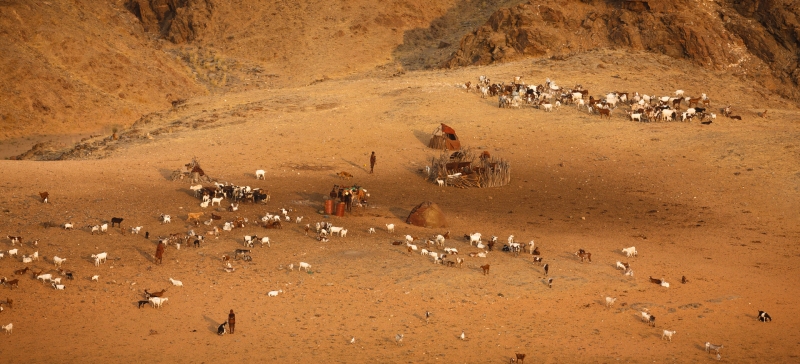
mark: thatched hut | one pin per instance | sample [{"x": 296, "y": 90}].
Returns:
[
  {"x": 444, "y": 137},
  {"x": 466, "y": 169}
]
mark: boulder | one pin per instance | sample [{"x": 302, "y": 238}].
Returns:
[{"x": 427, "y": 214}]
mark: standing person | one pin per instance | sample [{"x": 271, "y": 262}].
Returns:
[
  {"x": 231, "y": 321},
  {"x": 372, "y": 160}
]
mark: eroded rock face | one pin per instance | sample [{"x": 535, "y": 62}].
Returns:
[
  {"x": 712, "y": 35},
  {"x": 179, "y": 21}
]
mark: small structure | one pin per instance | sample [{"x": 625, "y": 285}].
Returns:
[
  {"x": 427, "y": 214},
  {"x": 444, "y": 137},
  {"x": 191, "y": 171},
  {"x": 463, "y": 169}
]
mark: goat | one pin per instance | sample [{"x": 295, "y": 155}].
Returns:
[
  {"x": 136, "y": 230},
  {"x": 485, "y": 269},
  {"x": 217, "y": 200},
  {"x": 44, "y": 277},
  {"x": 8, "y": 328},
  {"x": 96, "y": 278},
  {"x": 537, "y": 260},
  {"x": 710, "y": 346},
  {"x": 260, "y": 174},
  {"x": 176, "y": 283},
  {"x": 630, "y": 251},
  {"x": 274, "y": 293},
  {"x": 248, "y": 240},
  {"x": 58, "y": 261},
  {"x": 26, "y": 259},
  {"x": 656, "y": 281},
  {"x": 546, "y": 269},
  {"x": 370, "y": 231},
  {"x": 142, "y": 303},
  {"x": 66, "y": 273},
  {"x": 20, "y": 272},
  {"x": 116, "y": 220},
  {"x": 99, "y": 258},
  {"x": 194, "y": 216},
  {"x": 336, "y": 230},
  {"x": 196, "y": 189},
  {"x": 12, "y": 252},
  {"x": 584, "y": 255},
  {"x": 604, "y": 112},
  {"x": 157, "y": 301},
  {"x": 520, "y": 358},
  {"x": 474, "y": 238},
  {"x": 440, "y": 182},
  {"x": 623, "y": 266},
  {"x": 45, "y": 196},
  {"x": 104, "y": 228},
  {"x": 166, "y": 219},
  {"x": 453, "y": 251},
  {"x": 68, "y": 226},
  {"x": 240, "y": 252},
  {"x": 342, "y": 233},
  {"x": 304, "y": 265},
  {"x": 667, "y": 334},
  {"x": 11, "y": 284},
  {"x": 59, "y": 287},
  {"x": 94, "y": 228},
  {"x": 610, "y": 301},
  {"x": 154, "y": 294},
  {"x": 298, "y": 219},
  {"x": 763, "y": 316},
  {"x": 549, "y": 282},
  {"x": 390, "y": 228}
]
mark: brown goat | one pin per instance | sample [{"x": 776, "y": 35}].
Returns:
[
  {"x": 20, "y": 272},
  {"x": 584, "y": 255},
  {"x": 154, "y": 294},
  {"x": 520, "y": 359},
  {"x": 604, "y": 112},
  {"x": 44, "y": 196},
  {"x": 654, "y": 280},
  {"x": 485, "y": 269}
]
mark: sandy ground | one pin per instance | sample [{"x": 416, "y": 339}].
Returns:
[{"x": 715, "y": 203}]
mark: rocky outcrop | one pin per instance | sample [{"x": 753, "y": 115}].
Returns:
[
  {"x": 179, "y": 21},
  {"x": 708, "y": 34}
]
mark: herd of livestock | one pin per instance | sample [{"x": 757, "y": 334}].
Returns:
[{"x": 637, "y": 107}]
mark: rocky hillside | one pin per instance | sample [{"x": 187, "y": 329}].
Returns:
[{"x": 754, "y": 39}]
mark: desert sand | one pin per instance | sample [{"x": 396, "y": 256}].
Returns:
[{"x": 715, "y": 203}]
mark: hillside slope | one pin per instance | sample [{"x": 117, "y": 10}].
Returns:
[{"x": 754, "y": 40}]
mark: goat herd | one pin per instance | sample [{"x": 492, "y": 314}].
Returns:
[
  {"x": 434, "y": 248},
  {"x": 641, "y": 108}
]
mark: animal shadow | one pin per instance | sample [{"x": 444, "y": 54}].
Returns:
[{"x": 212, "y": 325}]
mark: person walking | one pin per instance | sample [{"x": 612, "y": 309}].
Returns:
[
  {"x": 231, "y": 322},
  {"x": 372, "y": 160}
]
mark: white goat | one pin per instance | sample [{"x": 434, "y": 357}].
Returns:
[
  {"x": 136, "y": 230},
  {"x": 196, "y": 189},
  {"x": 453, "y": 251},
  {"x": 12, "y": 252},
  {"x": 26, "y": 259},
  {"x": 8, "y": 328},
  {"x": 176, "y": 283},
  {"x": 58, "y": 261},
  {"x": 474, "y": 238},
  {"x": 409, "y": 239},
  {"x": 304, "y": 265},
  {"x": 260, "y": 174},
  {"x": 440, "y": 182},
  {"x": 336, "y": 230},
  {"x": 59, "y": 287},
  {"x": 440, "y": 240},
  {"x": 166, "y": 219},
  {"x": 96, "y": 278},
  {"x": 630, "y": 251},
  {"x": 265, "y": 240},
  {"x": 298, "y": 219},
  {"x": 343, "y": 233},
  {"x": 390, "y": 228},
  {"x": 204, "y": 204},
  {"x": 99, "y": 258},
  {"x": 104, "y": 228},
  {"x": 621, "y": 266},
  {"x": 95, "y": 228},
  {"x": 44, "y": 277},
  {"x": 274, "y": 293},
  {"x": 217, "y": 200},
  {"x": 371, "y": 230},
  {"x": 158, "y": 301},
  {"x": 68, "y": 226},
  {"x": 667, "y": 334},
  {"x": 610, "y": 301}
]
